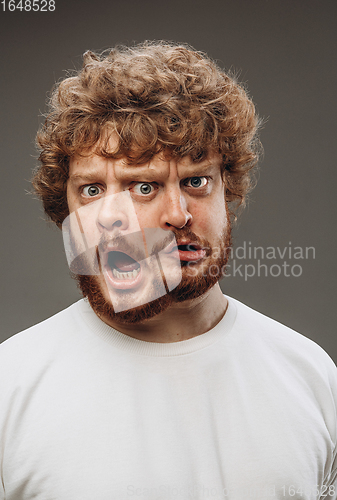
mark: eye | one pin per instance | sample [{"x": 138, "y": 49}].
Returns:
[
  {"x": 197, "y": 182},
  {"x": 143, "y": 188},
  {"x": 92, "y": 190}
]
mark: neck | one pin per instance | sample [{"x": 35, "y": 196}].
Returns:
[{"x": 181, "y": 321}]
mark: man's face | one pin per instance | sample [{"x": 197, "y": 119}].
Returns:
[{"x": 119, "y": 204}]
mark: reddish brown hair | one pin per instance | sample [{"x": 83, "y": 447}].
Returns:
[{"x": 156, "y": 97}]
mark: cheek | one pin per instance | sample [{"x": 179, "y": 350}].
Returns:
[
  {"x": 82, "y": 222},
  {"x": 146, "y": 216},
  {"x": 72, "y": 200},
  {"x": 209, "y": 218},
  {"x": 69, "y": 199}
]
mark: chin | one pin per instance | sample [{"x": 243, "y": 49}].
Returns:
[
  {"x": 98, "y": 297},
  {"x": 196, "y": 281},
  {"x": 152, "y": 298}
]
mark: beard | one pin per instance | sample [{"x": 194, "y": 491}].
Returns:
[{"x": 197, "y": 279}]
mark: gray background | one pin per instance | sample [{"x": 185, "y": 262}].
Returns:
[{"x": 285, "y": 50}]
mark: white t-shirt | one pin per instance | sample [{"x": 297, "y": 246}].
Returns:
[{"x": 244, "y": 411}]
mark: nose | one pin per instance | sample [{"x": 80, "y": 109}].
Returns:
[
  {"x": 175, "y": 210},
  {"x": 112, "y": 214}
]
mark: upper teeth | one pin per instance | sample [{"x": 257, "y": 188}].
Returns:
[{"x": 129, "y": 275}]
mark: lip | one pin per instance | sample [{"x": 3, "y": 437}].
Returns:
[
  {"x": 108, "y": 249},
  {"x": 120, "y": 284},
  {"x": 191, "y": 255},
  {"x": 125, "y": 284}
]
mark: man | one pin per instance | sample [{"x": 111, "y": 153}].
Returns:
[{"x": 156, "y": 385}]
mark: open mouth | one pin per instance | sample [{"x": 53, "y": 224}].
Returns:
[
  {"x": 122, "y": 266},
  {"x": 188, "y": 248},
  {"x": 190, "y": 252}
]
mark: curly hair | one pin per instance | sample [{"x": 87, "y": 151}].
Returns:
[{"x": 157, "y": 97}]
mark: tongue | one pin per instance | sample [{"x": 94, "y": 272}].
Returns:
[
  {"x": 126, "y": 268},
  {"x": 124, "y": 262}
]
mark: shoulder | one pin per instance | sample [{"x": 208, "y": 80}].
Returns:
[
  {"x": 273, "y": 341},
  {"x": 40, "y": 341}
]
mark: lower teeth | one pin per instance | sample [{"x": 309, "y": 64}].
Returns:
[{"x": 122, "y": 276}]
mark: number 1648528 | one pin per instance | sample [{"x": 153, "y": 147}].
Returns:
[{"x": 29, "y": 5}]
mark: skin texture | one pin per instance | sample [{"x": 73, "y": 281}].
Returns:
[{"x": 171, "y": 203}]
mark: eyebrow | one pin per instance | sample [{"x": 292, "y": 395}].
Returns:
[
  {"x": 196, "y": 170},
  {"x": 93, "y": 175},
  {"x": 136, "y": 172}
]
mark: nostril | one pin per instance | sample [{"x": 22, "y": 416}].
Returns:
[{"x": 118, "y": 223}]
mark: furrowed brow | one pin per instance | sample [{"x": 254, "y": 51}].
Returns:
[
  {"x": 200, "y": 170},
  {"x": 89, "y": 177}
]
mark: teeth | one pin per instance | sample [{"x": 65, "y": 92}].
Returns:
[{"x": 129, "y": 275}]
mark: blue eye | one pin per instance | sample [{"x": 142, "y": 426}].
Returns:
[
  {"x": 197, "y": 182},
  {"x": 143, "y": 188},
  {"x": 92, "y": 190}
]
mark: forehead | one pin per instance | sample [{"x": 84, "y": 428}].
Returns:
[{"x": 158, "y": 167}]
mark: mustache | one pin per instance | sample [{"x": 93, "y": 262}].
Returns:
[
  {"x": 131, "y": 244},
  {"x": 140, "y": 244},
  {"x": 185, "y": 233}
]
